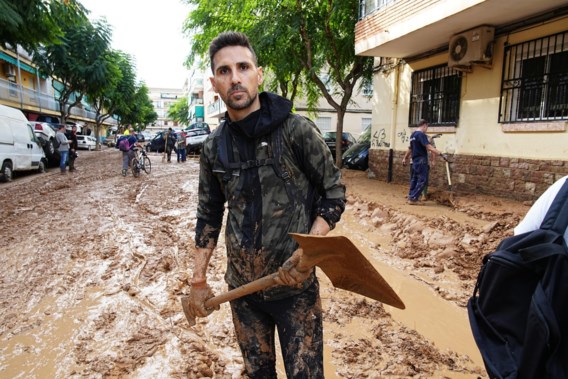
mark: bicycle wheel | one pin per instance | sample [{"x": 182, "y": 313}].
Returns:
[
  {"x": 147, "y": 165},
  {"x": 135, "y": 168}
]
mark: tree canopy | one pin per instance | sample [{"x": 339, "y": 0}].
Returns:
[
  {"x": 115, "y": 91},
  {"x": 78, "y": 63},
  {"x": 29, "y": 23},
  {"x": 179, "y": 111},
  {"x": 308, "y": 46}
]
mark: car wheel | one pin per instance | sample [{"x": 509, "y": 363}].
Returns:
[
  {"x": 41, "y": 167},
  {"x": 6, "y": 174},
  {"x": 49, "y": 148}
]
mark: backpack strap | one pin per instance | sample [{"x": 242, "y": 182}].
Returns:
[
  {"x": 550, "y": 235},
  {"x": 556, "y": 218}
]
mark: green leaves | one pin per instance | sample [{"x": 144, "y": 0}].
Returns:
[
  {"x": 30, "y": 23},
  {"x": 179, "y": 111},
  {"x": 297, "y": 42}
]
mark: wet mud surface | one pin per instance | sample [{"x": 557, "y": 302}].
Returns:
[{"x": 94, "y": 265}]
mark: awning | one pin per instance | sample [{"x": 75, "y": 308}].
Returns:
[{"x": 14, "y": 61}]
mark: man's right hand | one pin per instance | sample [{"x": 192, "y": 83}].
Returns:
[{"x": 199, "y": 294}]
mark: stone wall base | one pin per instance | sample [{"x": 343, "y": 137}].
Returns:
[{"x": 513, "y": 178}]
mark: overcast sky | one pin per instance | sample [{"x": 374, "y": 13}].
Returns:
[{"x": 151, "y": 32}]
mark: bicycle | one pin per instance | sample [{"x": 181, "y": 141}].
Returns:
[{"x": 140, "y": 162}]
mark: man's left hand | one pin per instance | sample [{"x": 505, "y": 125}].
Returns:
[{"x": 291, "y": 274}]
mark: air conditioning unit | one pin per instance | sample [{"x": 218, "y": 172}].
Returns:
[
  {"x": 473, "y": 46},
  {"x": 9, "y": 70}
]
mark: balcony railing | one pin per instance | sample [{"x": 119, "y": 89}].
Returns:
[{"x": 27, "y": 97}]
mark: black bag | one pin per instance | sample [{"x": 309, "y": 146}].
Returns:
[{"x": 519, "y": 309}]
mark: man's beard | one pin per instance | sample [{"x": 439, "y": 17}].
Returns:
[{"x": 239, "y": 104}]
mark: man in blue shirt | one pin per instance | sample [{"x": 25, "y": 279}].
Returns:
[{"x": 419, "y": 146}]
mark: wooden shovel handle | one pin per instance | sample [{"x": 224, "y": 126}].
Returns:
[{"x": 252, "y": 287}]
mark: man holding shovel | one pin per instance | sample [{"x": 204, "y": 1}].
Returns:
[
  {"x": 419, "y": 148},
  {"x": 277, "y": 175}
]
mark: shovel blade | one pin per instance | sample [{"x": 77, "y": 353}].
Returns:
[{"x": 346, "y": 267}]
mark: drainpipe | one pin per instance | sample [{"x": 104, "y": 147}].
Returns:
[
  {"x": 20, "y": 78},
  {"x": 394, "y": 119}
]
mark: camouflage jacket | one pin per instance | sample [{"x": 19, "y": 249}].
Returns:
[{"x": 267, "y": 197}]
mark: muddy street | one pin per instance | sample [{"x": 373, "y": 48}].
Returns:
[{"x": 94, "y": 265}]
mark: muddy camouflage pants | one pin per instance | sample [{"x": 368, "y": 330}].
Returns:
[{"x": 300, "y": 331}]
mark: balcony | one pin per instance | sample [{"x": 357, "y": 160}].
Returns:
[
  {"x": 28, "y": 99},
  {"x": 216, "y": 109},
  {"x": 406, "y": 28}
]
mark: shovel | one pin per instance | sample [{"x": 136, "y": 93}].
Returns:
[
  {"x": 451, "y": 194},
  {"x": 339, "y": 259}
]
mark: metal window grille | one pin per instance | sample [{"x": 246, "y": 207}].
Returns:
[
  {"x": 535, "y": 80},
  {"x": 435, "y": 96}
]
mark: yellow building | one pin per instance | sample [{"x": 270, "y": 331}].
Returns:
[{"x": 490, "y": 75}]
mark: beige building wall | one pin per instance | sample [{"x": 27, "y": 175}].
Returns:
[{"x": 478, "y": 131}]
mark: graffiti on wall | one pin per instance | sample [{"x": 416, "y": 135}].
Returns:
[
  {"x": 404, "y": 137},
  {"x": 379, "y": 139}
]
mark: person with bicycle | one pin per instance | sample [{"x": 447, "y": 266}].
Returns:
[
  {"x": 130, "y": 141},
  {"x": 140, "y": 162}
]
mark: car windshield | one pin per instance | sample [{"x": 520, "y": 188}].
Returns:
[
  {"x": 366, "y": 135},
  {"x": 198, "y": 125}
]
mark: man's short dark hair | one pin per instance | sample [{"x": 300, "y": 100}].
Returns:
[
  {"x": 422, "y": 122},
  {"x": 226, "y": 39}
]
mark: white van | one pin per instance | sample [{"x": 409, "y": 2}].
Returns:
[{"x": 19, "y": 146}]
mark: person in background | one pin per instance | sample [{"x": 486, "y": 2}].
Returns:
[
  {"x": 63, "y": 148},
  {"x": 419, "y": 148},
  {"x": 169, "y": 143},
  {"x": 180, "y": 147},
  {"x": 73, "y": 146},
  {"x": 264, "y": 205}
]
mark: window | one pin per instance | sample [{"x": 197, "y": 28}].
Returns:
[
  {"x": 535, "y": 80},
  {"x": 365, "y": 121},
  {"x": 435, "y": 96},
  {"x": 366, "y": 7},
  {"x": 368, "y": 89},
  {"x": 323, "y": 123}
]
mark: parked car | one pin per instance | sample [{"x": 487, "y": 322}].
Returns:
[
  {"x": 346, "y": 142},
  {"x": 110, "y": 141},
  {"x": 156, "y": 144},
  {"x": 45, "y": 132},
  {"x": 144, "y": 136},
  {"x": 86, "y": 142},
  {"x": 19, "y": 146},
  {"x": 195, "y": 136},
  {"x": 357, "y": 156}
]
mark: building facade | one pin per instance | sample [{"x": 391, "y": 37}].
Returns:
[
  {"x": 22, "y": 87},
  {"x": 491, "y": 76},
  {"x": 162, "y": 99},
  {"x": 357, "y": 116}
]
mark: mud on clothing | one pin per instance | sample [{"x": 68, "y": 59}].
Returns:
[
  {"x": 262, "y": 207},
  {"x": 300, "y": 332},
  {"x": 285, "y": 178}
]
